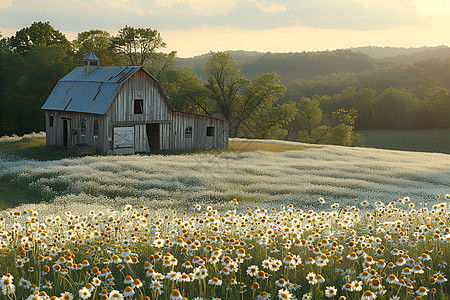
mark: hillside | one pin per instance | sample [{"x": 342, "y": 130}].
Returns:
[
  {"x": 389, "y": 52},
  {"x": 442, "y": 53},
  {"x": 295, "y": 65}
]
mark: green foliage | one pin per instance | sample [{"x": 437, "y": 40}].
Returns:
[
  {"x": 225, "y": 82},
  {"x": 98, "y": 41},
  {"x": 185, "y": 90},
  {"x": 137, "y": 44},
  {"x": 38, "y": 34}
]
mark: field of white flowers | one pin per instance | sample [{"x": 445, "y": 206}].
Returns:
[
  {"x": 323, "y": 222},
  {"x": 347, "y": 175}
]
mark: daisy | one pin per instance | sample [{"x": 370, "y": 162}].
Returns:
[
  {"x": 284, "y": 294},
  {"x": 84, "y": 293},
  {"x": 368, "y": 295},
  {"x": 128, "y": 292},
  {"x": 176, "y": 295},
  {"x": 330, "y": 291},
  {"x": 115, "y": 295}
]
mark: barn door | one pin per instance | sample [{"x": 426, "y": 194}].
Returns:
[
  {"x": 66, "y": 133},
  {"x": 123, "y": 140},
  {"x": 153, "y": 136}
]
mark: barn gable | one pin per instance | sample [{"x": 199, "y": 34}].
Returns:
[{"x": 123, "y": 110}]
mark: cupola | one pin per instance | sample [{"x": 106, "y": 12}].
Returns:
[{"x": 90, "y": 63}]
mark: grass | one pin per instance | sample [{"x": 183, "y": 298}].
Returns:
[
  {"x": 14, "y": 193},
  {"x": 247, "y": 145},
  {"x": 437, "y": 141},
  {"x": 33, "y": 147}
]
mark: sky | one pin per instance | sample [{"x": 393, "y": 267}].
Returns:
[{"x": 194, "y": 27}]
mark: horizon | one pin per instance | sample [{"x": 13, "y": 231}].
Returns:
[{"x": 195, "y": 27}]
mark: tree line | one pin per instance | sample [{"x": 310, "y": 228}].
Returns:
[{"x": 317, "y": 109}]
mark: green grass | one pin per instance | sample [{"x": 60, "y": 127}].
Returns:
[
  {"x": 14, "y": 192},
  {"x": 35, "y": 148},
  {"x": 410, "y": 140}
]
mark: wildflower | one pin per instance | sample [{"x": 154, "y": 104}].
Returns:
[
  {"x": 356, "y": 286},
  {"x": 128, "y": 292},
  {"x": 263, "y": 296},
  {"x": 284, "y": 294},
  {"x": 307, "y": 296},
  {"x": 66, "y": 296},
  {"x": 84, "y": 293},
  {"x": 422, "y": 291},
  {"x": 176, "y": 295},
  {"x": 330, "y": 291},
  {"x": 368, "y": 295},
  {"x": 252, "y": 270},
  {"x": 215, "y": 281},
  {"x": 311, "y": 277},
  {"x": 115, "y": 295},
  {"x": 441, "y": 279}
]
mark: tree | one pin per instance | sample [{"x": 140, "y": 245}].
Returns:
[
  {"x": 236, "y": 98},
  {"x": 38, "y": 34},
  {"x": 98, "y": 41},
  {"x": 347, "y": 117},
  {"x": 185, "y": 90},
  {"x": 259, "y": 95},
  {"x": 137, "y": 44},
  {"x": 225, "y": 82},
  {"x": 269, "y": 122},
  {"x": 394, "y": 109},
  {"x": 309, "y": 117}
]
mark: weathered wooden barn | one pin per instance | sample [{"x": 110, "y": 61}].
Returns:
[{"x": 123, "y": 110}]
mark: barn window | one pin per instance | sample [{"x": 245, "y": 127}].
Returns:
[
  {"x": 209, "y": 131},
  {"x": 96, "y": 129},
  {"x": 83, "y": 127},
  {"x": 51, "y": 119},
  {"x": 94, "y": 63},
  {"x": 138, "y": 107},
  {"x": 188, "y": 132}
]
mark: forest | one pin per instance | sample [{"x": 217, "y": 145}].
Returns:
[{"x": 316, "y": 97}]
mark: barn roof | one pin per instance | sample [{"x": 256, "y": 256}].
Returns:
[
  {"x": 94, "y": 93},
  {"x": 91, "y": 93}
]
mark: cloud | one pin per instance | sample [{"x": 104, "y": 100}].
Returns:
[
  {"x": 274, "y": 8},
  {"x": 80, "y": 15}
]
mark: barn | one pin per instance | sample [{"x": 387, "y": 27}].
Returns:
[{"x": 123, "y": 110}]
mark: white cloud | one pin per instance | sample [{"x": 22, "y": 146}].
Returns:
[
  {"x": 206, "y": 7},
  {"x": 275, "y": 7},
  {"x": 5, "y": 4}
]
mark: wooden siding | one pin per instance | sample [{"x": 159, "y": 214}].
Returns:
[
  {"x": 199, "y": 139},
  {"x": 55, "y": 134},
  {"x": 139, "y": 86}
]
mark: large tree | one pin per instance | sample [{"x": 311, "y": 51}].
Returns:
[
  {"x": 137, "y": 44},
  {"x": 38, "y": 34},
  {"x": 98, "y": 41},
  {"x": 225, "y": 83}
]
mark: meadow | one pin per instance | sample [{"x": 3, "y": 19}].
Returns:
[
  {"x": 429, "y": 140},
  {"x": 296, "y": 221}
]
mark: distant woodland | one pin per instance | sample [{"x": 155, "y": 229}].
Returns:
[{"x": 317, "y": 97}]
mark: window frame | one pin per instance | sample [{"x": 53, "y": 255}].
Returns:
[
  {"x": 141, "y": 106},
  {"x": 83, "y": 127},
  {"x": 51, "y": 121},
  {"x": 210, "y": 131},
  {"x": 96, "y": 128},
  {"x": 188, "y": 132}
]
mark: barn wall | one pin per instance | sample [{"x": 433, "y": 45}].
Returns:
[
  {"x": 199, "y": 139},
  {"x": 139, "y": 86},
  {"x": 54, "y": 135},
  {"x": 155, "y": 110}
]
